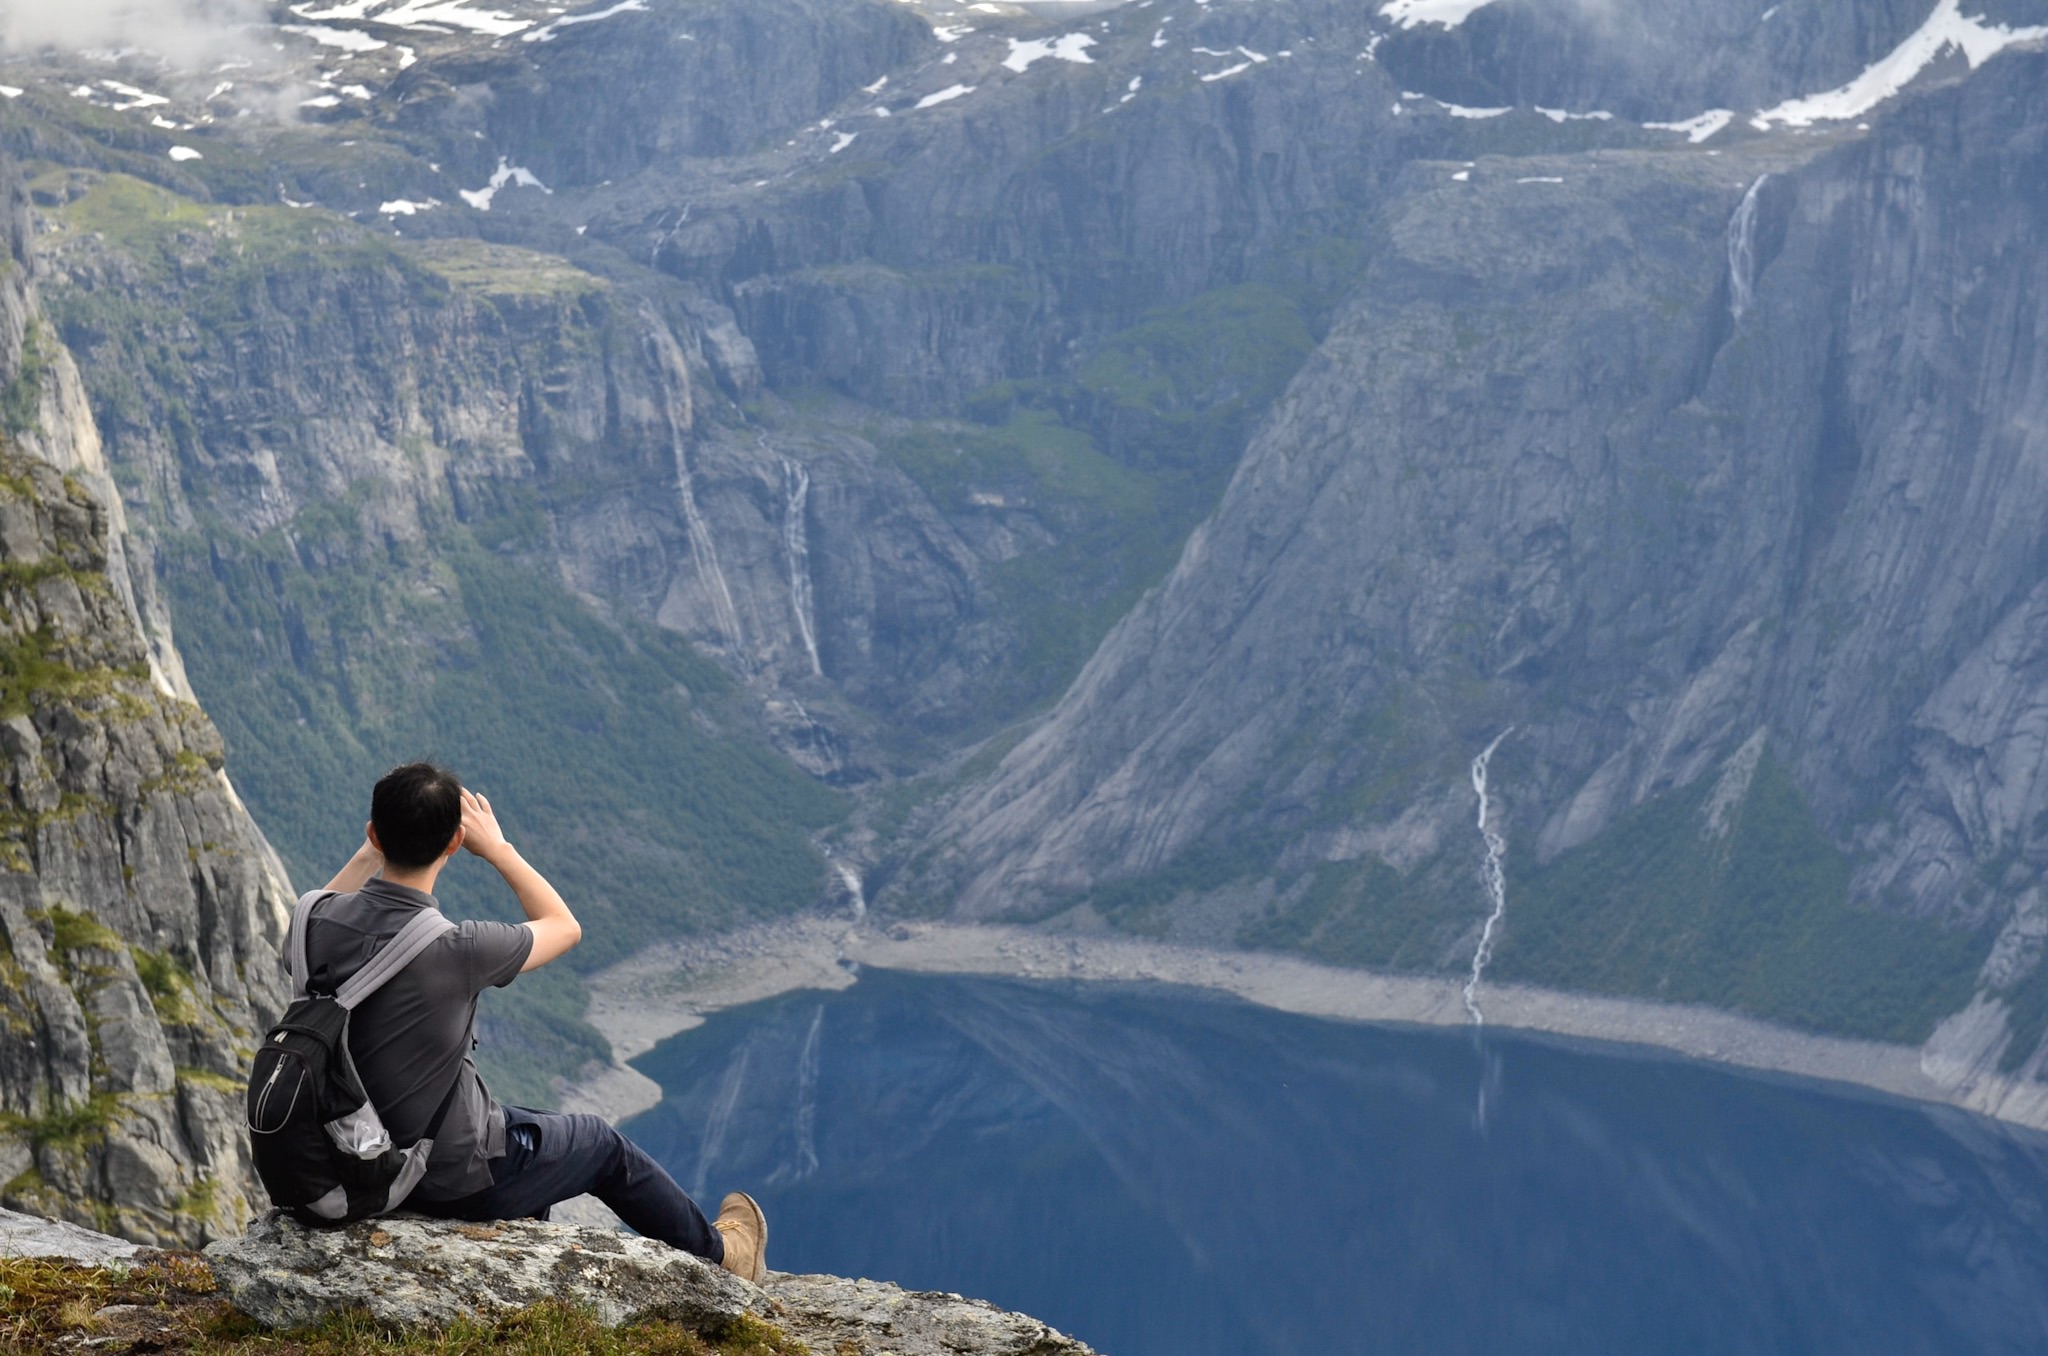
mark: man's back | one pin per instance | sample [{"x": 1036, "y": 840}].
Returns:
[{"x": 412, "y": 1039}]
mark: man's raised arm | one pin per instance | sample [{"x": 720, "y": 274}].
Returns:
[
  {"x": 554, "y": 928},
  {"x": 366, "y": 863}
]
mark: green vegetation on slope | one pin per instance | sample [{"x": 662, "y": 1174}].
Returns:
[
  {"x": 501, "y": 270},
  {"x": 22, "y": 395},
  {"x": 1758, "y": 921},
  {"x": 1120, "y": 462},
  {"x": 621, "y": 761}
]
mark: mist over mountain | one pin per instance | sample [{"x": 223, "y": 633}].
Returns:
[{"x": 1109, "y": 467}]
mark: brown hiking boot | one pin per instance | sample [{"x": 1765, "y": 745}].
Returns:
[{"x": 746, "y": 1236}]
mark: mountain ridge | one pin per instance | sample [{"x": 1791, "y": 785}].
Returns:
[{"x": 1121, "y": 483}]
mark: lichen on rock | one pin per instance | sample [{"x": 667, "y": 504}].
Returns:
[{"x": 408, "y": 1272}]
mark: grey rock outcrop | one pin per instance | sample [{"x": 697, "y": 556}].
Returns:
[
  {"x": 33, "y": 1236},
  {"x": 828, "y": 1313},
  {"x": 412, "y": 1272}
]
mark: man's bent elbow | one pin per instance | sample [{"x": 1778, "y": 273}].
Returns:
[{"x": 551, "y": 938}]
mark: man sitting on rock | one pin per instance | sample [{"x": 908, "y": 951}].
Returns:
[{"x": 412, "y": 1038}]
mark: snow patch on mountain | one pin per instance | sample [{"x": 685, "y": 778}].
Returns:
[
  {"x": 943, "y": 96},
  {"x": 1069, "y": 47},
  {"x": 549, "y": 33},
  {"x": 1947, "y": 30},
  {"x": 1697, "y": 129},
  {"x": 507, "y": 173},
  {"x": 1449, "y": 13},
  {"x": 347, "y": 39}
]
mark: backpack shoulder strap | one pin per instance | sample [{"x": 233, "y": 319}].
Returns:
[
  {"x": 295, "y": 940},
  {"x": 420, "y": 932}
]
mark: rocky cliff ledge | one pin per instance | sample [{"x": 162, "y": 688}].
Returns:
[{"x": 538, "y": 1285}]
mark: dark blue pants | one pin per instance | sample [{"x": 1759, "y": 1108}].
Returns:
[{"x": 550, "y": 1157}]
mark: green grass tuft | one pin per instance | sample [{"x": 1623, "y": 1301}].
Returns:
[{"x": 170, "y": 1304}]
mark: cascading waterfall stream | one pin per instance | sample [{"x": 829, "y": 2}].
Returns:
[
  {"x": 1742, "y": 251},
  {"x": 1493, "y": 873},
  {"x": 796, "y": 546},
  {"x": 856, "y": 894}
]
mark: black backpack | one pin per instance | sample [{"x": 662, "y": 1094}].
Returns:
[{"x": 319, "y": 1146}]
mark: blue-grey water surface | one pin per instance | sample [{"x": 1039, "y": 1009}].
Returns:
[{"x": 1165, "y": 1173}]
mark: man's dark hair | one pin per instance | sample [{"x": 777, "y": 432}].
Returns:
[{"x": 416, "y": 809}]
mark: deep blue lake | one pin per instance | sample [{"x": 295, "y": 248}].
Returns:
[{"x": 1166, "y": 1173}]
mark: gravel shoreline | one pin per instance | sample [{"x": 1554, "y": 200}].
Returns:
[{"x": 673, "y": 987}]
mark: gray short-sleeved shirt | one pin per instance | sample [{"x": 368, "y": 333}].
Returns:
[{"x": 412, "y": 1037}]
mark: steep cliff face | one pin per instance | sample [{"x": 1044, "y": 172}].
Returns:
[
  {"x": 140, "y": 910},
  {"x": 1712, "y": 478},
  {"x": 269, "y": 371},
  {"x": 658, "y": 85}
]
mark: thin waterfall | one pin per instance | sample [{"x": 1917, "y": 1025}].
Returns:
[
  {"x": 856, "y": 894},
  {"x": 1493, "y": 873},
  {"x": 796, "y": 546},
  {"x": 1742, "y": 251}
]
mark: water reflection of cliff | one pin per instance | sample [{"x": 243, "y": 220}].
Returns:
[{"x": 1160, "y": 1172}]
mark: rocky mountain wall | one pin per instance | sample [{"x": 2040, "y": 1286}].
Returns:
[
  {"x": 1090, "y": 209},
  {"x": 655, "y": 86},
  {"x": 1652, "y": 61},
  {"x": 478, "y": 380},
  {"x": 1777, "y": 492}
]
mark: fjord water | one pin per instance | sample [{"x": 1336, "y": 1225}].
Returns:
[{"x": 1164, "y": 1172}]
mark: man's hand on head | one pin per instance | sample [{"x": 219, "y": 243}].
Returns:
[
  {"x": 480, "y": 831},
  {"x": 555, "y": 929}
]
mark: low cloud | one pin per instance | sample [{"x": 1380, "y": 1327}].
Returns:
[{"x": 187, "y": 33}]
